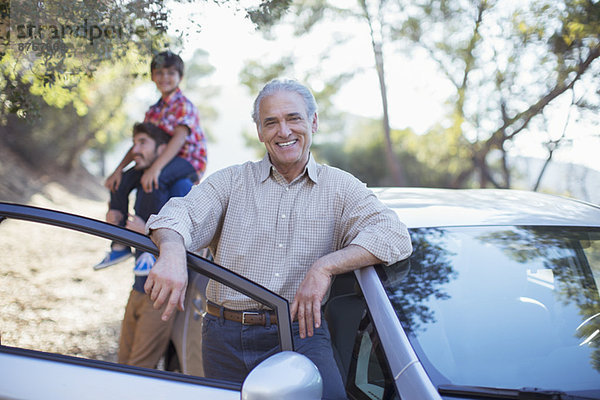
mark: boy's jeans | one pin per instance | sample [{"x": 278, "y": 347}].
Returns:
[{"x": 147, "y": 204}]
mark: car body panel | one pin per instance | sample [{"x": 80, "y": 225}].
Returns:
[
  {"x": 423, "y": 207},
  {"x": 282, "y": 371},
  {"x": 35, "y": 376},
  {"x": 442, "y": 208}
]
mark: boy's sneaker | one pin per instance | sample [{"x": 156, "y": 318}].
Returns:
[
  {"x": 144, "y": 264},
  {"x": 113, "y": 257}
]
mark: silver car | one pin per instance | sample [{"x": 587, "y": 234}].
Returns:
[{"x": 500, "y": 299}]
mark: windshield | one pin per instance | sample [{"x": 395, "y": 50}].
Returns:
[{"x": 507, "y": 307}]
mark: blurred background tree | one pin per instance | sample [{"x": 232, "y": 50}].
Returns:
[
  {"x": 511, "y": 66},
  {"x": 67, "y": 68}
]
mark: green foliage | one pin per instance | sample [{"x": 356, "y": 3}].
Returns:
[
  {"x": 52, "y": 47},
  {"x": 510, "y": 63},
  {"x": 66, "y": 68},
  {"x": 268, "y": 11},
  {"x": 47, "y": 48},
  {"x": 362, "y": 152},
  {"x": 62, "y": 132},
  {"x": 93, "y": 118},
  {"x": 557, "y": 41}
]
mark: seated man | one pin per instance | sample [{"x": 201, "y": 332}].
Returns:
[
  {"x": 174, "y": 181},
  {"x": 144, "y": 336}
]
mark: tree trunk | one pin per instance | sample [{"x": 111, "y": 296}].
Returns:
[
  {"x": 377, "y": 45},
  {"x": 392, "y": 161}
]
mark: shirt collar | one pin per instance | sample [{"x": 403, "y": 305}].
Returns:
[
  {"x": 311, "y": 168},
  {"x": 172, "y": 97}
]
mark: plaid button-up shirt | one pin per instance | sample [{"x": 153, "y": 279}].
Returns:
[
  {"x": 271, "y": 231},
  {"x": 177, "y": 110}
]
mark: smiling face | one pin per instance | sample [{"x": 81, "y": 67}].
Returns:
[
  {"x": 144, "y": 150},
  {"x": 286, "y": 130},
  {"x": 166, "y": 80}
]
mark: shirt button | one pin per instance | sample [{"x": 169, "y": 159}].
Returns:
[
  {"x": 277, "y": 274},
  {"x": 287, "y": 189},
  {"x": 283, "y": 216},
  {"x": 280, "y": 245}
]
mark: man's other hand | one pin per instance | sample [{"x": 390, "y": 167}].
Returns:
[
  {"x": 167, "y": 281},
  {"x": 307, "y": 301}
]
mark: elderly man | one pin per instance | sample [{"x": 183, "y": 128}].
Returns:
[{"x": 285, "y": 222}]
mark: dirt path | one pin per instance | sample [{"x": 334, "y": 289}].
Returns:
[{"x": 50, "y": 297}]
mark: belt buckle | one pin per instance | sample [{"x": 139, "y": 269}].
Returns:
[{"x": 244, "y": 313}]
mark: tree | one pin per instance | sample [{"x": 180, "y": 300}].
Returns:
[
  {"x": 363, "y": 148},
  {"x": 89, "y": 116},
  {"x": 67, "y": 67},
  {"x": 53, "y": 45},
  {"x": 374, "y": 14},
  {"x": 508, "y": 66}
]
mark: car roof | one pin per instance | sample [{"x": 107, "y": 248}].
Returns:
[{"x": 428, "y": 207}]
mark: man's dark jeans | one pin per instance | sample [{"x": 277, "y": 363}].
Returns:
[{"x": 230, "y": 350}]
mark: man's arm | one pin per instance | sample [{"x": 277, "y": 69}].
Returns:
[
  {"x": 308, "y": 299},
  {"x": 167, "y": 280},
  {"x": 149, "y": 179},
  {"x": 114, "y": 179}
]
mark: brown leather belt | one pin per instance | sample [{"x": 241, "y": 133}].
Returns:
[{"x": 243, "y": 317}]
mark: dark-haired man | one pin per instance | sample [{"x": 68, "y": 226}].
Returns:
[{"x": 144, "y": 336}]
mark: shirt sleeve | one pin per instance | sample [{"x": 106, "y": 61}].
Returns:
[
  {"x": 187, "y": 115},
  {"x": 368, "y": 223},
  {"x": 197, "y": 216}
]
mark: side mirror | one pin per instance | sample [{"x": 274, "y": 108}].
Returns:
[{"x": 286, "y": 375}]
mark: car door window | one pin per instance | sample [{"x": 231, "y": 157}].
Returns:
[
  {"x": 369, "y": 377},
  {"x": 53, "y": 301}
]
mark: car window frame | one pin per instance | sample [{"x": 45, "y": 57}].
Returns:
[
  {"x": 408, "y": 373},
  {"x": 367, "y": 330},
  {"x": 142, "y": 242}
]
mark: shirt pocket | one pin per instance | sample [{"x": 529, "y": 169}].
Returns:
[{"x": 313, "y": 238}]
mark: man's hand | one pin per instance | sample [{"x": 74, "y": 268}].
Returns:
[
  {"x": 167, "y": 281},
  {"x": 114, "y": 180},
  {"x": 149, "y": 179},
  {"x": 114, "y": 216},
  {"x": 136, "y": 223},
  {"x": 308, "y": 299}
]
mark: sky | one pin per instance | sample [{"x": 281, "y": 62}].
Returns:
[{"x": 231, "y": 40}]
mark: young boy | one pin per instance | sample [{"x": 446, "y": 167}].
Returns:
[
  {"x": 177, "y": 116},
  {"x": 144, "y": 336}
]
